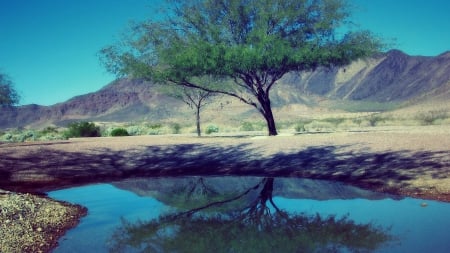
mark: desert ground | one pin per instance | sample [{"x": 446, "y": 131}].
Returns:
[{"x": 407, "y": 161}]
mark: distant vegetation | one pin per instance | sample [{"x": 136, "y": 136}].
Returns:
[
  {"x": 302, "y": 125},
  {"x": 119, "y": 132},
  {"x": 82, "y": 129},
  {"x": 431, "y": 117},
  {"x": 8, "y": 94}
]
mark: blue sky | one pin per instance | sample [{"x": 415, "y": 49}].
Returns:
[{"x": 49, "y": 47}]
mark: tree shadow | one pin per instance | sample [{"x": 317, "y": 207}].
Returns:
[{"x": 389, "y": 171}]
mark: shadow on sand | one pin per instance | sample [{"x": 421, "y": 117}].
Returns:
[{"x": 390, "y": 172}]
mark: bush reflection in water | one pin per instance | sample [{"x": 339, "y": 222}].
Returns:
[{"x": 243, "y": 220}]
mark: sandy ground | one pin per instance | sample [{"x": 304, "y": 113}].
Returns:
[{"x": 409, "y": 161}]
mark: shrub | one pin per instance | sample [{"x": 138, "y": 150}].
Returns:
[
  {"x": 357, "y": 121},
  {"x": 300, "y": 128},
  {"x": 431, "y": 117},
  {"x": 247, "y": 126},
  {"x": 82, "y": 129},
  {"x": 334, "y": 121},
  {"x": 212, "y": 129},
  {"x": 176, "y": 128},
  {"x": 155, "y": 126},
  {"x": 135, "y": 130},
  {"x": 374, "y": 119},
  {"x": 119, "y": 132},
  {"x": 48, "y": 130}
]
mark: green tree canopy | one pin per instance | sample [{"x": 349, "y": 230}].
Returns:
[
  {"x": 8, "y": 95},
  {"x": 252, "y": 42}
]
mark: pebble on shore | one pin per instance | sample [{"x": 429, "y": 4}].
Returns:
[{"x": 30, "y": 223}]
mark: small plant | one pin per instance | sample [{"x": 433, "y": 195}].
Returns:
[
  {"x": 247, "y": 126},
  {"x": 431, "y": 117},
  {"x": 176, "y": 128},
  {"x": 48, "y": 130},
  {"x": 335, "y": 121},
  {"x": 357, "y": 121},
  {"x": 299, "y": 128},
  {"x": 300, "y": 125},
  {"x": 82, "y": 129},
  {"x": 119, "y": 132},
  {"x": 374, "y": 119},
  {"x": 212, "y": 129},
  {"x": 135, "y": 130},
  {"x": 155, "y": 126}
]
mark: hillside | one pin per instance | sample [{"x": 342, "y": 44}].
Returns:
[{"x": 389, "y": 78}]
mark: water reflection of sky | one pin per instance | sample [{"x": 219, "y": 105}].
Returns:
[
  {"x": 106, "y": 206},
  {"x": 421, "y": 229}
]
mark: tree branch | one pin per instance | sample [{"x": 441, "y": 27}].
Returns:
[{"x": 192, "y": 85}]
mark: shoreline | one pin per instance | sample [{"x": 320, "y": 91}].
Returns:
[
  {"x": 31, "y": 223},
  {"x": 400, "y": 162}
]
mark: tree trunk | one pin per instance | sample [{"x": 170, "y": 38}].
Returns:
[
  {"x": 266, "y": 111},
  {"x": 270, "y": 123},
  {"x": 199, "y": 132}
]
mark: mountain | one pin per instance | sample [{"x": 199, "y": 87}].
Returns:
[
  {"x": 195, "y": 188},
  {"x": 392, "y": 77},
  {"x": 122, "y": 100}
]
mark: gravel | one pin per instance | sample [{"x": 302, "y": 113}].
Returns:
[{"x": 30, "y": 223}]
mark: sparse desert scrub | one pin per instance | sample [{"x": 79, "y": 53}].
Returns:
[
  {"x": 247, "y": 126},
  {"x": 335, "y": 121},
  {"x": 119, "y": 132},
  {"x": 82, "y": 129},
  {"x": 26, "y": 135},
  {"x": 212, "y": 128},
  {"x": 432, "y": 117},
  {"x": 176, "y": 128},
  {"x": 300, "y": 125}
]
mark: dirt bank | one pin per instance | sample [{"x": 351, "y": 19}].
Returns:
[{"x": 411, "y": 161}]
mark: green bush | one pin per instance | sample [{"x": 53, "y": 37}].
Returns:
[
  {"x": 374, "y": 119},
  {"x": 135, "y": 130},
  {"x": 247, "y": 126},
  {"x": 357, "y": 121},
  {"x": 48, "y": 130},
  {"x": 429, "y": 118},
  {"x": 82, "y": 129},
  {"x": 119, "y": 132},
  {"x": 212, "y": 129},
  {"x": 299, "y": 128},
  {"x": 176, "y": 128},
  {"x": 155, "y": 126},
  {"x": 300, "y": 125},
  {"x": 334, "y": 121}
]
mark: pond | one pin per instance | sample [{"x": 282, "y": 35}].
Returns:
[{"x": 250, "y": 214}]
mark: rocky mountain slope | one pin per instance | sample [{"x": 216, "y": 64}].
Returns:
[{"x": 392, "y": 77}]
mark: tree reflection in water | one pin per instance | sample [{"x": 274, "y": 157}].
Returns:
[{"x": 245, "y": 225}]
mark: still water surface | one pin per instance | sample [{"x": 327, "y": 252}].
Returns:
[{"x": 234, "y": 212}]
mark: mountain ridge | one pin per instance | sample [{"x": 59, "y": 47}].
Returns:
[{"x": 388, "y": 77}]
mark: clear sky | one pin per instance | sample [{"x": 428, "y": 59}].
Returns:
[{"x": 49, "y": 47}]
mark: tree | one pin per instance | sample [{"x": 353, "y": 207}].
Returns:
[
  {"x": 252, "y": 42},
  {"x": 257, "y": 225},
  {"x": 8, "y": 95},
  {"x": 195, "y": 98}
]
